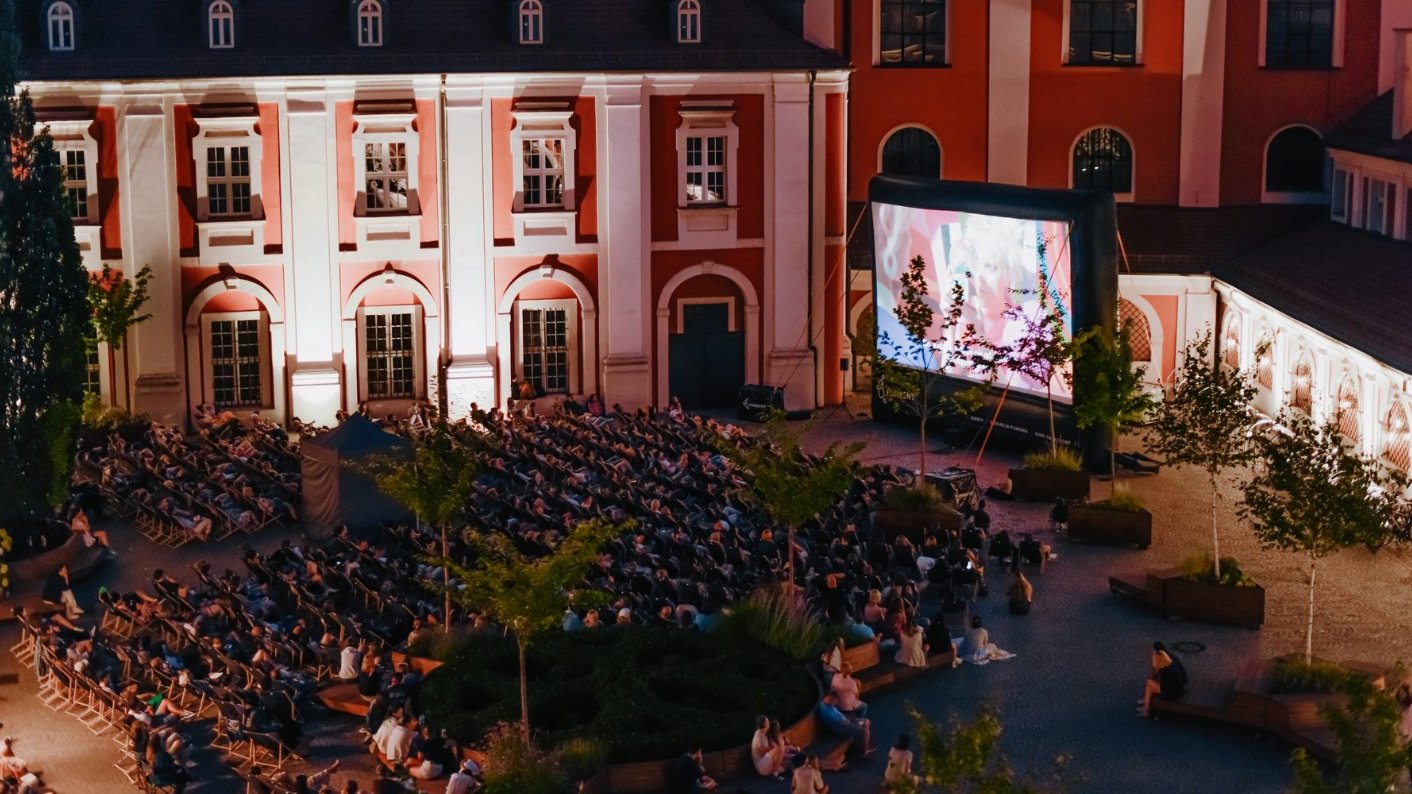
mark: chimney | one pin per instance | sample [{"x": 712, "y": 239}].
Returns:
[{"x": 1401, "y": 83}]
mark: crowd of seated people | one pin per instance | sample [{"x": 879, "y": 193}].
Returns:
[
  {"x": 227, "y": 477},
  {"x": 17, "y": 776}
]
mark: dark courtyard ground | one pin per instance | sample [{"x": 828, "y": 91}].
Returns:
[{"x": 1081, "y": 654}]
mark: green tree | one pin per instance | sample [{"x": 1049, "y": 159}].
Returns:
[
  {"x": 1314, "y": 495},
  {"x": 1108, "y": 387},
  {"x": 791, "y": 488},
  {"x": 115, "y": 301},
  {"x": 528, "y": 595},
  {"x": 965, "y": 758},
  {"x": 1371, "y": 750},
  {"x": 43, "y": 308},
  {"x": 1204, "y": 423},
  {"x": 435, "y": 483},
  {"x": 904, "y": 370},
  {"x": 1042, "y": 347}
]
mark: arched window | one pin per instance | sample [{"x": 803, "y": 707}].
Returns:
[
  {"x": 912, "y": 151},
  {"x": 1397, "y": 450},
  {"x": 1346, "y": 410},
  {"x": 1294, "y": 162},
  {"x": 1301, "y": 385},
  {"x": 1139, "y": 330},
  {"x": 370, "y": 23},
  {"x": 220, "y": 18},
  {"x": 688, "y": 22},
  {"x": 531, "y": 22},
  {"x": 1230, "y": 343},
  {"x": 1265, "y": 362},
  {"x": 1103, "y": 160},
  {"x": 61, "y": 27}
]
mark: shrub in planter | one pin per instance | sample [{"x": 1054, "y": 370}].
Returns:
[
  {"x": 911, "y": 510},
  {"x": 1046, "y": 476},
  {"x": 1298, "y": 677},
  {"x": 1198, "y": 568},
  {"x": 1119, "y": 519},
  {"x": 1196, "y": 595}
]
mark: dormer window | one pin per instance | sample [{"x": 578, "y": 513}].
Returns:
[
  {"x": 221, "y": 25},
  {"x": 689, "y": 22},
  {"x": 61, "y": 27},
  {"x": 531, "y": 22},
  {"x": 370, "y": 23}
]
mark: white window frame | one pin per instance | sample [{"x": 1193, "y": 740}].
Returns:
[
  {"x": 383, "y": 128},
  {"x": 225, "y": 132},
  {"x": 529, "y": 22},
  {"x": 1335, "y": 52},
  {"x": 1341, "y": 180},
  {"x": 1387, "y": 187},
  {"x": 208, "y": 370},
  {"x": 570, "y": 306},
  {"x": 536, "y": 122},
  {"x": 1120, "y": 198},
  {"x": 370, "y": 23},
  {"x": 220, "y": 25},
  {"x": 74, "y": 136},
  {"x": 61, "y": 24},
  {"x": 419, "y": 375},
  {"x": 688, "y": 22},
  {"x": 708, "y": 120},
  {"x": 731, "y": 326},
  {"x": 1137, "y": 44},
  {"x": 876, "y": 52}
]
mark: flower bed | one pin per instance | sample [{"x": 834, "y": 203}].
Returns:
[{"x": 645, "y": 693}]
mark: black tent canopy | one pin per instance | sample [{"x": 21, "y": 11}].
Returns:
[{"x": 335, "y": 491}]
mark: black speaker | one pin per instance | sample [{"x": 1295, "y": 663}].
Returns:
[
  {"x": 843, "y": 365},
  {"x": 754, "y": 401}
]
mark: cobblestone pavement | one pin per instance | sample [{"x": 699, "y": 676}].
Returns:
[{"x": 1081, "y": 654}]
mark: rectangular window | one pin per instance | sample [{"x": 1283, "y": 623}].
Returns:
[
  {"x": 75, "y": 165},
  {"x": 542, "y": 167},
  {"x": 544, "y": 349},
  {"x": 92, "y": 374},
  {"x": 386, "y": 173},
  {"x": 228, "y": 181},
  {"x": 235, "y": 363},
  {"x": 1299, "y": 34},
  {"x": 705, "y": 169},
  {"x": 1103, "y": 32},
  {"x": 390, "y": 353},
  {"x": 1338, "y": 195},
  {"x": 222, "y": 31},
  {"x": 912, "y": 33},
  {"x": 1376, "y": 206}
]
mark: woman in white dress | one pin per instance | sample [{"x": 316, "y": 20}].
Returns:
[{"x": 911, "y": 647}]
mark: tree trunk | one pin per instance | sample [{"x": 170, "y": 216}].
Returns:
[
  {"x": 445, "y": 583},
  {"x": 921, "y": 475},
  {"x": 1215, "y": 533},
  {"x": 1309, "y": 627},
  {"x": 524, "y": 692},
  {"x": 1053, "y": 440},
  {"x": 1113, "y": 465}
]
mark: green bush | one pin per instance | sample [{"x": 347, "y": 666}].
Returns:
[
  {"x": 1062, "y": 459},
  {"x": 440, "y": 645},
  {"x": 1197, "y": 568},
  {"x": 914, "y": 499},
  {"x": 1296, "y": 676},
  {"x": 1122, "y": 499},
  {"x": 771, "y": 617},
  {"x": 512, "y": 768},
  {"x": 645, "y": 693},
  {"x": 582, "y": 757}
]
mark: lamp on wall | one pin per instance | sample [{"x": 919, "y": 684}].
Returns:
[
  {"x": 227, "y": 274},
  {"x": 388, "y": 274}
]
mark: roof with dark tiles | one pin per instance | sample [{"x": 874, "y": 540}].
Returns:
[
  {"x": 1349, "y": 284},
  {"x": 1189, "y": 240},
  {"x": 152, "y": 39},
  {"x": 1369, "y": 131}
]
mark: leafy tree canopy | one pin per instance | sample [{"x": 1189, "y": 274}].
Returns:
[{"x": 116, "y": 301}]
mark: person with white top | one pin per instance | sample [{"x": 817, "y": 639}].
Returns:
[
  {"x": 898, "y": 773},
  {"x": 349, "y": 660},
  {"x": 465, "y": 781},
  {"x": 767, "y": 755},
  {"x": 847, "y": 688}
]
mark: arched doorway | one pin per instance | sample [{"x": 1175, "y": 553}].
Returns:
[
  {"x": 391, "y": 342},
  {"x": 235, "y": 348},
  {"x": 547, "y": 333},
  {"x": 708, "y": 331}
]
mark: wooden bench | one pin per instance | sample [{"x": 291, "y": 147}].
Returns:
[
  {"x": 1144, "y": 586},
  {"x": 344, "y": 698},
  {"x": 1204, "y": 698},
  {"x": 890, "y": 672}
]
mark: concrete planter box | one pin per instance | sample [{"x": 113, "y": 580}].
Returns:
[
  {"x": 1046, "y": 485},
  {"x": 914, "y": 523},
  {"x": 1211, "y": 602},
  {"x": 1105, "y": 525}
]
